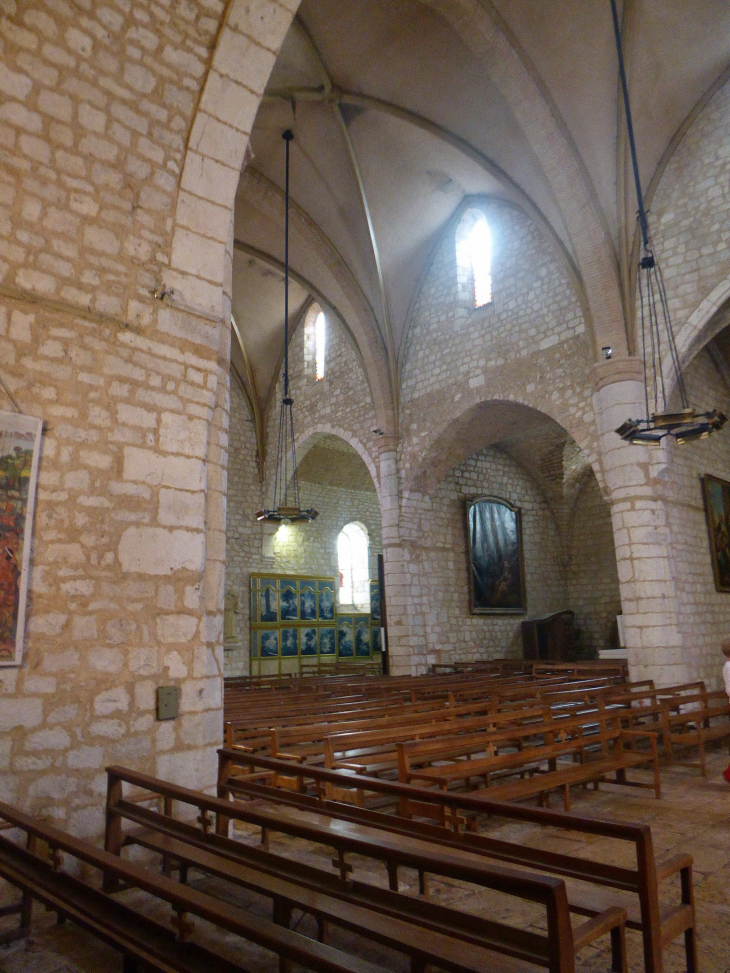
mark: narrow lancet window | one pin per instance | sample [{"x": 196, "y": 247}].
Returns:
[
  {"x": 354, "y": 567},
  {"x": 474, "y": 258},
  {"x": 319, "y": 346}
]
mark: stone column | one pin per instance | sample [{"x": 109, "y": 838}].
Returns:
[
  {"x": 396, "y": 589},
  {"x": 634, "y": 486}
]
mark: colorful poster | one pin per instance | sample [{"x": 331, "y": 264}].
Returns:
[{"x": 20, "y": 440}]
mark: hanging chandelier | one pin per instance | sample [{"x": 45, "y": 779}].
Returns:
[
  {"x": 286, "y": 507},
  {"x": 683, "y": 424}
]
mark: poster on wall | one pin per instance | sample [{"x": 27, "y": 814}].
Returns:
[
  {"x": 716, "y": 493},
  {"x": 20, "y": 441},
  {"x": 496, "y": 564}
]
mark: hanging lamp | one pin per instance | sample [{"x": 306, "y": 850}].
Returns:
[
  {"x": 286, "y": 506},
  {"x": 685, "y": 424}
]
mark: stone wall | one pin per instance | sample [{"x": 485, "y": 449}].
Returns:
[
  {"x": 591, "y": 574},
  {"x": 690, "y": 220},
  {"x": 529, "y": 345},
  {"x": 329, "y": 415},
  {"x": 704, "y": 612},
  {"x": 435, "y": 540},
  {"x": 96, "y": 109}
]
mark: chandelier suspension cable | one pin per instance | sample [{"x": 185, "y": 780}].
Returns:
[
  {"x": 685, "y": 425},
  {"x": 643, "y": 222},
  {"x": 286, "y": 482}
]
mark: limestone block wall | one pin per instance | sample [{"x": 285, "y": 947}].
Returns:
[
  {"x": 339, "y": 405},
  {"x": 123, "y": 535},
  {"x": 704, "y": 613},
  {"x": 529, "y": 345},
  {"x": 591, "y": 572},
  {"x": 434, "y": 535},
  {"x": 97, "y": 106},
  {"x": 690, "y": 218},
  {"x": 243, "y": 534}
]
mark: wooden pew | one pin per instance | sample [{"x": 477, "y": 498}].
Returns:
[
  {"x": 428, "y": 932},
  {"x": 596, "y": 744},
  {"x": 375, "y": 751},
  {"x": 138, "y": 938},
  {"x": 633, "y": 888},
  {"x": 694, "y": 721}
]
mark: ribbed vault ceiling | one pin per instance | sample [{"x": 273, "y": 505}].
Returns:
[{"x": 397, "y": 120}]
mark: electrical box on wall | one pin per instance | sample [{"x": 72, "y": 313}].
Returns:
[{"x": 168, "y": 702}]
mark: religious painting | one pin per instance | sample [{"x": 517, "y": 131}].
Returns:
[
  {"x": 362, "y": 637},
  {"x": 496, "y": 567},
  {"x": 307, "y": 602},
  {"x": 345, "y": 636},
  {"x": 289, "y": 641},
  {"x": 269, "y": 644},
  {"x": 288, "y": 613},
  {"x": 717, "y": 510},
  {"x": 288, "y": 603},
  {"x": 268, "y": 605},
  {"x": 20, "y": 439},
  {"x": 326, "y": 602},
  {"x": 326, "y": 641},
  {"x": 375, "y": 601},
  {"x": 309, "y": 641}
]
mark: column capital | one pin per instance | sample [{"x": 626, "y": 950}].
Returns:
[
  {"x": 387, "y": 444},
  {"x": 614, "y": 370}
]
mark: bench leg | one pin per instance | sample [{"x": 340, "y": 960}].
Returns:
[
  {"x": 392, "y": 876},
  {"x": 618, "y": 949},
  {"x": 703, "y": 766},
  {"x": 690, "y": 939},
  {"x": 26, "y": 911}
]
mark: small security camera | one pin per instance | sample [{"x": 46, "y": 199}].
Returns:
[{"x": 607, "y": 351}]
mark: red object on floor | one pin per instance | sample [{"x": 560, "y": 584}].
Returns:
[{"x": 726, "y": 774}]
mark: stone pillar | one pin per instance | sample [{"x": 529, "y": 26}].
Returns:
[
  {"x": 634, "y": 486},
  {"x": 396, "y": 588}
]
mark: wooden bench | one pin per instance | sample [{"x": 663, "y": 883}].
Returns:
[
  {"x": 427, "y": 932},
  {"x": 596, "y": 745},
  {"x": 592, "y": 885},
  {"x": 701, "y": 718},
  {"x": 138, "y": 938}
]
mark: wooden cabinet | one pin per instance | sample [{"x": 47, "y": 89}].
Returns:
[{"x": 550, "y": 638}]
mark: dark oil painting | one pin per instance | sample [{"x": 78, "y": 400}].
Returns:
[
  {"x": 496, "y": 568},
  {"x": 717, "y": 510}
]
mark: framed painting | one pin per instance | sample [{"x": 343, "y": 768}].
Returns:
[
  {"x": 308, "y": 638},
  {"x": 307, "y": 601},
  {"x": 345, "y": 636},
  {"x": 496, "y": 563},
  {"x": 289, "y": 642},
  {"x": 269, "y": 644},
  {"x": 326, "y": 641},
  {"x": 375, "y": 601},
  {"x": 20, "y": 441},
  {"x": 716, "y": 494},
  {"x": 363, "y": 645},
  {"x": 288, "y": 603},
  {"x": 269, "y": 603},
  {"x": 326, "y": 592}
]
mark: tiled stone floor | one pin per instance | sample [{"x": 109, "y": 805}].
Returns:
[{"x": 693, "y": 816}]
